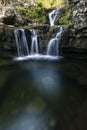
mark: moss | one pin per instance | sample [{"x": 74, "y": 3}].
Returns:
[
  {"x": 37, "y": 13},
  {"x": 65, "y": 17},
  {"x": 21, "y": 10},
  {"x": 49, "y": 3},
  {"x": 33, "y": 14}
]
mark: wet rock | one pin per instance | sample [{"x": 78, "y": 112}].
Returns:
[{"x": 7, "y": 38}]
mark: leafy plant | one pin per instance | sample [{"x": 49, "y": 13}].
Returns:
[
  {"x": 49, "y": 3},
  {"x": 22, "y": 10},
  {"x": 36, "y": 12},
  {"x": 65, "y": 18}
]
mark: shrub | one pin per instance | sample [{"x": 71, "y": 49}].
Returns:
[
  {"x": 65, "y": 18},
  {"x": 22, "y": 10},
  {"x": 36, "y": 13},
  {"x": 49, "y": 3}
]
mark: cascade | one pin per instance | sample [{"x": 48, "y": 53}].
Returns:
[
  {"x": 34, "y": 44},
  {"x": 52, "y": 16},
  {"x": 52, "y": 51},
  {"x": 53, "y": 45},
  {"x": 21, "y": 42}
]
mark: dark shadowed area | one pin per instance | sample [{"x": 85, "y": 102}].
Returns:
[{"x": 43, "y": 95}]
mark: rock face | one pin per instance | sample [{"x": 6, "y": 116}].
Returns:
[
  {"x": 78, "y": 35},
  {"x": 7, "y": 15},
  {"x": 7, "y": 40}
]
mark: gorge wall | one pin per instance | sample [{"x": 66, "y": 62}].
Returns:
[{"x": 78, "y": 33}]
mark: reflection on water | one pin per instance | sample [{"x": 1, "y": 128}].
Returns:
[
  {"x": 42, "y": 95},
  {"x": 47, "y": 78}
]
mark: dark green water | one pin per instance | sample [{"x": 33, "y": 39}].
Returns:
[{"x": 43, "y": 95}]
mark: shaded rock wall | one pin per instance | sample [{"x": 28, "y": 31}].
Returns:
[
  {"x": 78, "y": 35},
  {"x": 7, "y": 15},
  {"x": 7, "y": 40}
]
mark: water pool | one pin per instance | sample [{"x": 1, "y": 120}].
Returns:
[{"x": 43, "y": 95}]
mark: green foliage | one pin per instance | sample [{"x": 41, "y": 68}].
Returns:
[
  {"x": 49, "y": 3},
  {"x": 65, "y": 18},
  {"x": 22, "y": 10},
  {"x": 36, "y": 12}
]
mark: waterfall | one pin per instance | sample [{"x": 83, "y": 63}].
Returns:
[
  {"x": 34, "y": 44},
  {"x": 52, "y": 16},
  {"x": 53, "y": 45},
  {"x": 21, "y": 42},
  {"x": 52, "y": 51}
]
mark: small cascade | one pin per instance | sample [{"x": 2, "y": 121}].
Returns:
[
  {"x": 34, "y": 44},
  {"x": 58, "y": 35},
  {"x": 52, "y": 16},
  {"x": 53, "y": 44},
  {"x": 21, "y": 42},
  {"x": 52, "y": 51}
]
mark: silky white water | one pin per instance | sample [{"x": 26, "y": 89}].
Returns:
[
  {"x": 52, "y": 51},
  {"x": 53, "y": 45},
  {"x": 52, "y": 16},
  {"x": 21, "y": 42},
  {"x": 34, "y": 44}
]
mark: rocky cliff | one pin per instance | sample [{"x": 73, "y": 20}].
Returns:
[{"x": 78, "y": 35}]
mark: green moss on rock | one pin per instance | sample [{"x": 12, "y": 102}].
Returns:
[
  {"x": 35, "y": 14},
  {"x": 65, "y": 17}
]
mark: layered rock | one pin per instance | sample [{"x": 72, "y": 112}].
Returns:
[{"x": 78, "y": 35}]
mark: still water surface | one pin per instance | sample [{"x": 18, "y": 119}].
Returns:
[{"x": 43, "y": 95}]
